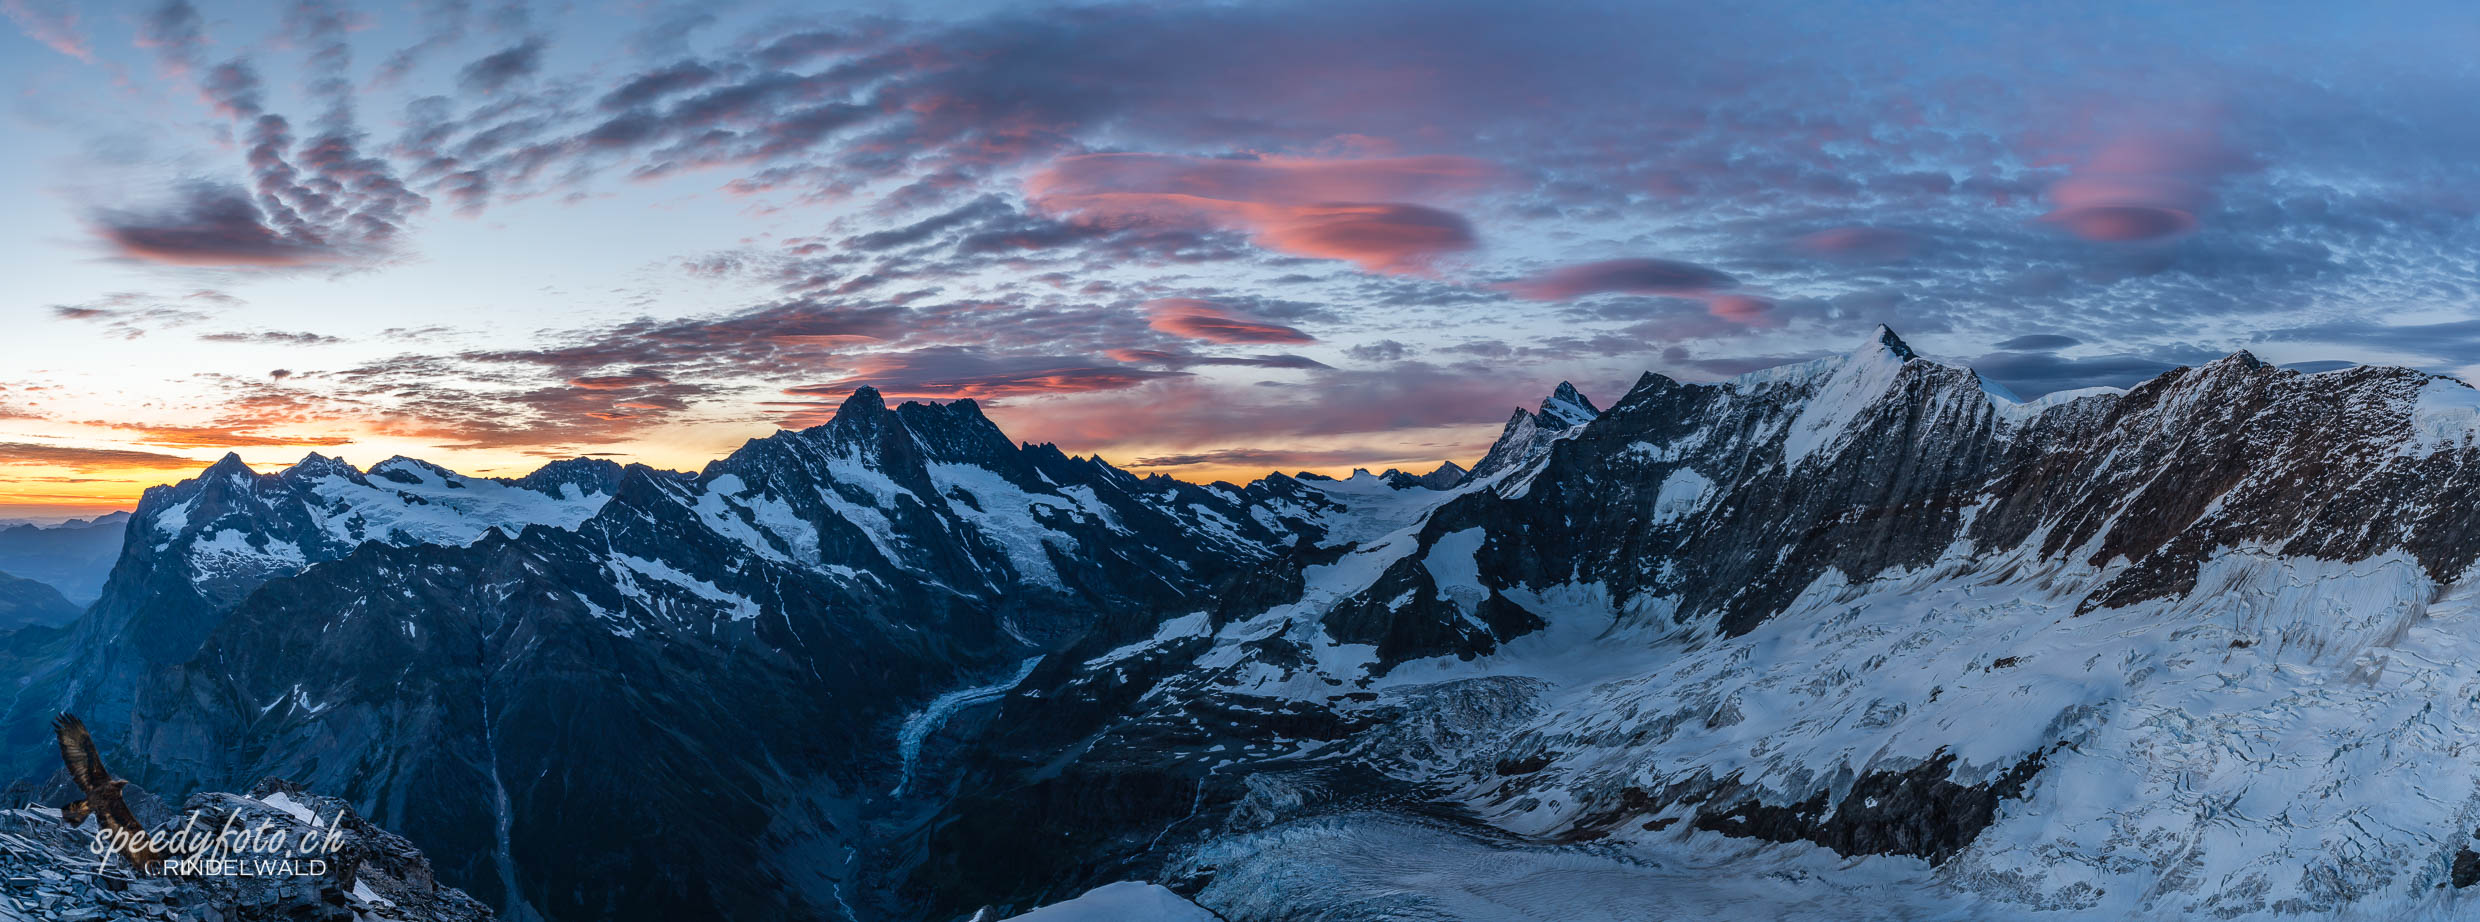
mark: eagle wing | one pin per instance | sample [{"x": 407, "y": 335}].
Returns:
[
  {"x": 77, "y": 751},
  {"x": 103, "y": 798}
]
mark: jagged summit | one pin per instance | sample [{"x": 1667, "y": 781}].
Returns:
[
  {"x": 865, "y": 400},
  {"x": 2241, "y": 359},
  {"x": 230, "y": 463},
  {"x": 1446, "y": 475},
  {"x": 318, "y": 465},
  {"x": 1527, "y": 436},
  {"x": 1884, "y": 337},
  {"x": 1568, "y": 406}
]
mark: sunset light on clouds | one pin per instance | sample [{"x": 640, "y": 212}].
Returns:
[{"x": 494, "y": 234}]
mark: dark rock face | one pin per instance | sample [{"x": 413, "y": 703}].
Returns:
[
  {"x": 2466, "y": 870},
  {"x": 1919, "y": 812}
]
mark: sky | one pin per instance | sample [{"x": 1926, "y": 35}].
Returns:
[{"x": 1207, "y": 240}]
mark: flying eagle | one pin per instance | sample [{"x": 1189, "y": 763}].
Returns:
[{"x": 103, "y": 793}]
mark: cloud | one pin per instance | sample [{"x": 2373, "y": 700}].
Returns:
[
  {"x": 133, "y": 314},
  {"x": 1204, "y": 414},
  {"x": 789, "y": 334},
  {"x": 1745, "y": 310},
  {"x": 275, "y": 337},
  {"x": 494, "y": 72},
  {"x": 800, "y": 47},
  {"x": 2453, "y": 341},
  {"x": 51, "y": 25},
  {"x": 174, "y": 31},
  {"x": 211, "y": 224},
  {"x": 951, "y": 372},
  {"x": 1271, "y": 459},
  {"x": 90, "y": 459},
  {"x": 445, "y": 22},
  {"x": 319, "y": 200},
  {"x": 1195, "y": 319},
  {"x": 2032, "y": 374},
  {"x": 1621, "y": 276},
  {"x": 1172, "y": 359},
  {"x": 2038, "y": 342},
  {"x": 1347, "y": 209},
  {"x": 2146, "y": 183},
  {"x": 218, "y": 436},
  {"x": 617, "y": 382},
  {"x": 655, "y": 85},
  {"x": 1873, "y": 244}
]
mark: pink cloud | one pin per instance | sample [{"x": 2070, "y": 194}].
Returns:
[
  {"x": 1746, "y": 310},
  {"x": 1621, "y": 276},
  {"x": 2146, "y": 184},
  {"x": 1369, "y": 211},
  {"x": 1195, "y": 319},
  {"x": 54, "y": 28}
]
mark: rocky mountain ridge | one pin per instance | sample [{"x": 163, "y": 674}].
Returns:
[
  {"x": 74, "y": 556},
  {"x": 1859, "y": 625}
]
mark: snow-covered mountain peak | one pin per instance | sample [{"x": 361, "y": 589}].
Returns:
[
  {"x": 2240, "y": 359},
  {"x": 1883, "y": 340},
  {"x": 864, "y": 401},
  {"x": 413, "y": 470},
  {"x": 1844, "y": 389},
  {"x": 1527, "y": 437},
  {"x": 315, "y": 465},
  {"x": 230, "y": 467},
  {"x": 1568, "y": 406}
]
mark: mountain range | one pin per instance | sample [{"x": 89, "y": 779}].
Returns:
[
  {"x": 1858, "y": 637},
  {"x": 73, "y": 557}
]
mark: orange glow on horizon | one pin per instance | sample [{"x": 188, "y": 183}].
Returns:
[{"x": 49, "y": 491}]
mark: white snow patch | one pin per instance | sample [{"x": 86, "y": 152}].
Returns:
[
  {"x": 1126, "y": 901},
  {"x": 286, "y": 803},
  {"x": 1682, "y": 494}
]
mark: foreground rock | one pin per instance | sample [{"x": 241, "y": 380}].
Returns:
[{"x": 332, "y": 867}]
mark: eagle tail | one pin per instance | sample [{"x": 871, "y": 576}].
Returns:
[{"x": 75, "y": 813}]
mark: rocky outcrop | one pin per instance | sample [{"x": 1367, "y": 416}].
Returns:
[{"x": 302, "y": 858}]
